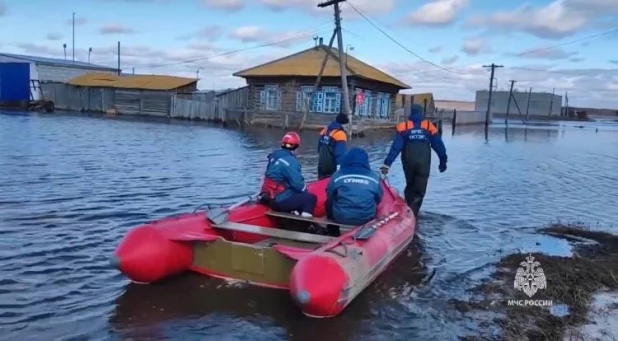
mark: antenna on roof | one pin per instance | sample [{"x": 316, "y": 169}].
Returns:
[{"x": 315, "y": 40}]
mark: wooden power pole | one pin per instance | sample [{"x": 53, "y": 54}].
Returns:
[
  {"x": 309, "y": 101},
  {"x": 528, "y": 105},
  {"x": 491, "y": 89},
  {"x": 342, "y": 67},
  {"x": 508, "y": 106},
  {"x": 551, "y": 102}
]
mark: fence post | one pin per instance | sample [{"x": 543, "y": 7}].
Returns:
[
  {"x": 141, "y": 101},
  {"x": 454, "y": 122}
]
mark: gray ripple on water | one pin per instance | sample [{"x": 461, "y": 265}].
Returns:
[{"x": 72, "y": 186}]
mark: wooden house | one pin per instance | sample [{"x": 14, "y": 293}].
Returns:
[{"x": 284, "y": 85}]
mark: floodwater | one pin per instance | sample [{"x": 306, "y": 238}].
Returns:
[{"x": 71, "y": 186}]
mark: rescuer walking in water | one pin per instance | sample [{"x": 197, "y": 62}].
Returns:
[
  {"x": 414, "y": 140},
  {"x": 332, "y": 146}
]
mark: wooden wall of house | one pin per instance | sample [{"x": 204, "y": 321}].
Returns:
[
  {"x": 187, "y": 89},
  {"x": 289, "y": 87}
]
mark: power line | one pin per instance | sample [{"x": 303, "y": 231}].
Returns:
[
  {"x": 398, "y": 43},
  {"x": 533, "y": 51},
  {"x": 266, "y": 44},
  {"x": 579, "y": 40}
]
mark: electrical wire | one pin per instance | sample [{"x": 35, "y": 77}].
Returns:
[
  {"x": 533, "y": 51},
  {"x": 451, "y": 69},
  {"x": 397, "y": 42},
  {"x": 547, "y": 48},
  {"x": 302, "y": 34}
]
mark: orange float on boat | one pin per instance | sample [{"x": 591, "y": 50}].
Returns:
[{"x": 254, "y": 244}]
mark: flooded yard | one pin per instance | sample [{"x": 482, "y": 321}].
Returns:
[{"x": 71, "y": 186}]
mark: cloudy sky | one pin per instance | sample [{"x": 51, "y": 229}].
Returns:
[{"x": 437, "y": 46}]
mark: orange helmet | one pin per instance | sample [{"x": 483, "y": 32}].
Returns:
[{"x": 290, "y": 140}]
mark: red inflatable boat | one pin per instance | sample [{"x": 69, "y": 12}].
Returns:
[{"x": 265, "y": 248}]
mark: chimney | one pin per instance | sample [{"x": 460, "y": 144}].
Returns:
[{"x": 321, "y": 41}]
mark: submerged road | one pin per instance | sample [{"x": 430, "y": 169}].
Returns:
[{"x": 71, "y": 186}]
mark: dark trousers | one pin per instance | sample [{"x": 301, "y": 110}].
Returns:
[
  {"x": 417, "y": 176},
  {"x": 322, "y": 175},
  {"x": 301, "y": 202}
]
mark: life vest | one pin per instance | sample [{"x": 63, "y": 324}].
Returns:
[
  {"x": 421, "y": 133},
  {"x": 271, "y": 188}
]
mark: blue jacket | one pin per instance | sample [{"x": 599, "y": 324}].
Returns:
[
  {"x": 354, "y": 191},
  {"x": 284, "y": 168},
  {"x": 430, "y": 135},
  {"x": 339, "y": 144}
]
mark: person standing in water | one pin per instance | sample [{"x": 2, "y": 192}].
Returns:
[{"x": 414, "y": 140}]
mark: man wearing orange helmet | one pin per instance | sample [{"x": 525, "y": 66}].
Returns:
[{"x": 284, "y": 186}]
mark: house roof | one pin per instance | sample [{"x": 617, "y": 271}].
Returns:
[
  {"x": 58, "y": 62},
  {"x": 143, "y": 82},
  {"x": 308, "y": 62}
]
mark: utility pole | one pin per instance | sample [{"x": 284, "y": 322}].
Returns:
[
  {"x": 309, "y": 101},
  {"x": 508, "y": 106},
  {"x": 73, "y": 36},
  {"x": 119, "y": 58},
  {"x": 551, "y": 102},
  {"x": 342, "y": 66},
  {"x": 491, "y": 88},
  {"x": 528, "y": 105}
]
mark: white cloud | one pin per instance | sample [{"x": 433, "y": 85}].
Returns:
[
  {"x": 558, "y": 19},
  {"x": 450, "y": 60},
  {"x": 183, "y": 62},
  {"x": 545, "y": 53},
  {"x": 473, "y": 47},
  {"x": 209, "y": 33},
  {"x": 586, "y": 87},
  {"x": 437, "y": 13},
  {"x": 225, "y": 5},
  {"x": 369, "y": 7},
  {"x": 258, "y": 34},
  {"x": 249, "y": 34},
  {"x": 436, "y": 49},
  {"x": 53, "y": 36},
  {"x": 116, "y": 28}
]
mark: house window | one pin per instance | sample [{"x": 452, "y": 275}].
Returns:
[
  {"x": 302, "y": 97},
  {"x": 369, "y": 103},
  {"x": 366, "y": 108},
  {"x": 326, "y": 100},
  {"x": 332, "y": 100},
  {"x": 270, "y": 98},
  {"x": 383, "y": 105}
]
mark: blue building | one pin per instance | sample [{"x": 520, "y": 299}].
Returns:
[{"x": 53, "y": 70}]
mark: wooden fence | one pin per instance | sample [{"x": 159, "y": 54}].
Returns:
[
  {"x": 126, "y": 101},
  {"x": 67, "y": 97},
  {"x": 196, "y": 110}
]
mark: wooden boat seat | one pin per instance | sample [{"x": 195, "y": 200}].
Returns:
[
  {"x": 276, "y": 233},
  {"x": 323, "y": 221}
]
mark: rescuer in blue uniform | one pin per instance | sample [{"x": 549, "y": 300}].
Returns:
[
  {"x": 284, "y": 187},
  {"x": 354, "y": 191},
  {"x": 414, "y": 140},
  {"x": 332, "y": 146}
]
